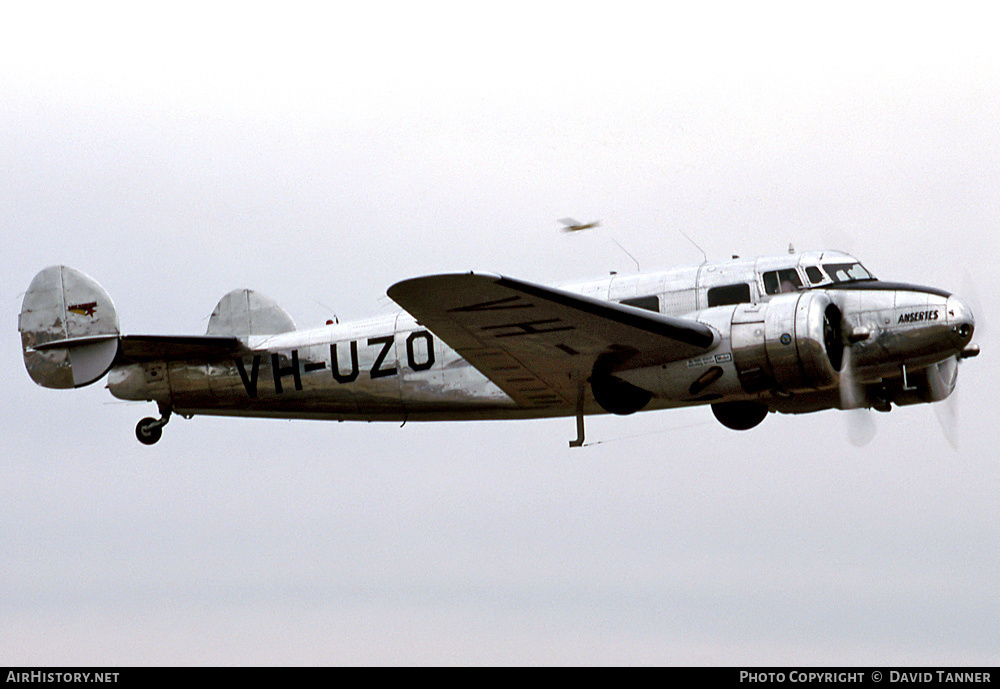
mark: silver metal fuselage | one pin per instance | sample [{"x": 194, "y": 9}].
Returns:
[{"x": 392, "y": 368}]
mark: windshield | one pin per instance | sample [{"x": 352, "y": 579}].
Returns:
[{"x": 847, "y": 272}]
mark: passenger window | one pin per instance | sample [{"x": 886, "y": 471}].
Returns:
[
  {"x": 649, "y": 303},
  {"x": 729, "y": 294},
  {"x": 814, "y": 274},
  {"x": 781, "y": 281}
]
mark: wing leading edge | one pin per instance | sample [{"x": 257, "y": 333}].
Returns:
[{"x": 539, "y": 344}]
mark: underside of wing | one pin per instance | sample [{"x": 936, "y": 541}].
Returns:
[{"x": 540, "y": 344}]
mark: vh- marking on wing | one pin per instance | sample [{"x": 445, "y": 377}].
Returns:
[{"x": 540, "y": 344}]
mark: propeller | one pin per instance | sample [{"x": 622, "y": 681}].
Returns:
[
  {"x": 942, "y": 378},
  {"x": 861, "y": 426},
  {"x": 840, "y": 337},
  {"x": 970, "y": 294}
]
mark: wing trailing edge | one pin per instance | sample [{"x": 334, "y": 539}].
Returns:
[{"x": 540, "y": 344}]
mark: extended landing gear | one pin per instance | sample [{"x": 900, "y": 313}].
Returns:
[
  {"x": 150, "y": 430},
  {"x": 739, "y": 416},
  {"x": 579, "y": 417}
]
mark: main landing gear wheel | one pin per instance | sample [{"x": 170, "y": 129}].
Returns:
[{"x": 150, "y": 430}]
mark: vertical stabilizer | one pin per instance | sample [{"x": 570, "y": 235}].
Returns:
[
  {"x": 243, "y": 312},
  {"x": 69, "y": 329}
]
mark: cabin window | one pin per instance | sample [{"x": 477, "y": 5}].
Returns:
[
  {"x": 782, "y": 281},
  {"x": 649, "y": 303},
  {"x": 729, "y": 294},
  {"x": 814, "y": 274}
]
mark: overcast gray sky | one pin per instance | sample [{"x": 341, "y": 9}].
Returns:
[{"x": 175, "y": 151}]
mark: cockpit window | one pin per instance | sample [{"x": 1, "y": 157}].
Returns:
[
  {"x": 781, "y": 281},
  {"x": 847, "y": 272},
  {"x": 814, "y": 274}
]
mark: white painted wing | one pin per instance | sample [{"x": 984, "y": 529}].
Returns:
[{"x": 539, "y": 343}]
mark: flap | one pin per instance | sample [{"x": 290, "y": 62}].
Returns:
[{"x": 537, "y": 343}]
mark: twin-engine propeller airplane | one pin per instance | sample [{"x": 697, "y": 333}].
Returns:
[{"x": 791, "y": 333}]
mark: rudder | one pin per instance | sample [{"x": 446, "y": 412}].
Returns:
[
  {"x": 69, "y": 329},
  {"x": 243, "y": 312}
]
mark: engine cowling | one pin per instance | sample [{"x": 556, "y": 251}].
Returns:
[
  {"x": 617, "y": 396},
  {"x": 791, "y": 343}
]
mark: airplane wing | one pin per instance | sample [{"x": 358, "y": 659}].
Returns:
[{"x": 539, "y": 343}]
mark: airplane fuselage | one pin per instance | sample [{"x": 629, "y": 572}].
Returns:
[{"x": 767, "y": 314}]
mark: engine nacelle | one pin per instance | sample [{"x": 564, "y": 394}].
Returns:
[
  {"x": 791, "y": 343},
  {"x": 617, "y": 396}
]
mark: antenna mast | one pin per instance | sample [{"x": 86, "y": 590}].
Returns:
[
  {"x": 703, "y": 254},
  {"x": 637, "y": 267}
]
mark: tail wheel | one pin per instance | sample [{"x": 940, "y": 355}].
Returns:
[{"x": 149, "y": 431}]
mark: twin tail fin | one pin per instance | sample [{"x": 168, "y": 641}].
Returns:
[
  {"x": 69, "y": 329},
  {"x": 70, "y": 335}
]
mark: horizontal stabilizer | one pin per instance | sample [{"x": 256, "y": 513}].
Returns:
[
  {"x": 139, "y": 348},
  {"x": 69, "y": 329}
]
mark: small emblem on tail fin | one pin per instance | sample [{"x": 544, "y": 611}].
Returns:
[{"x": 87, "y": 309}]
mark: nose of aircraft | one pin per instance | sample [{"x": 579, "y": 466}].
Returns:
[{"x": 961, "y": 318}]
